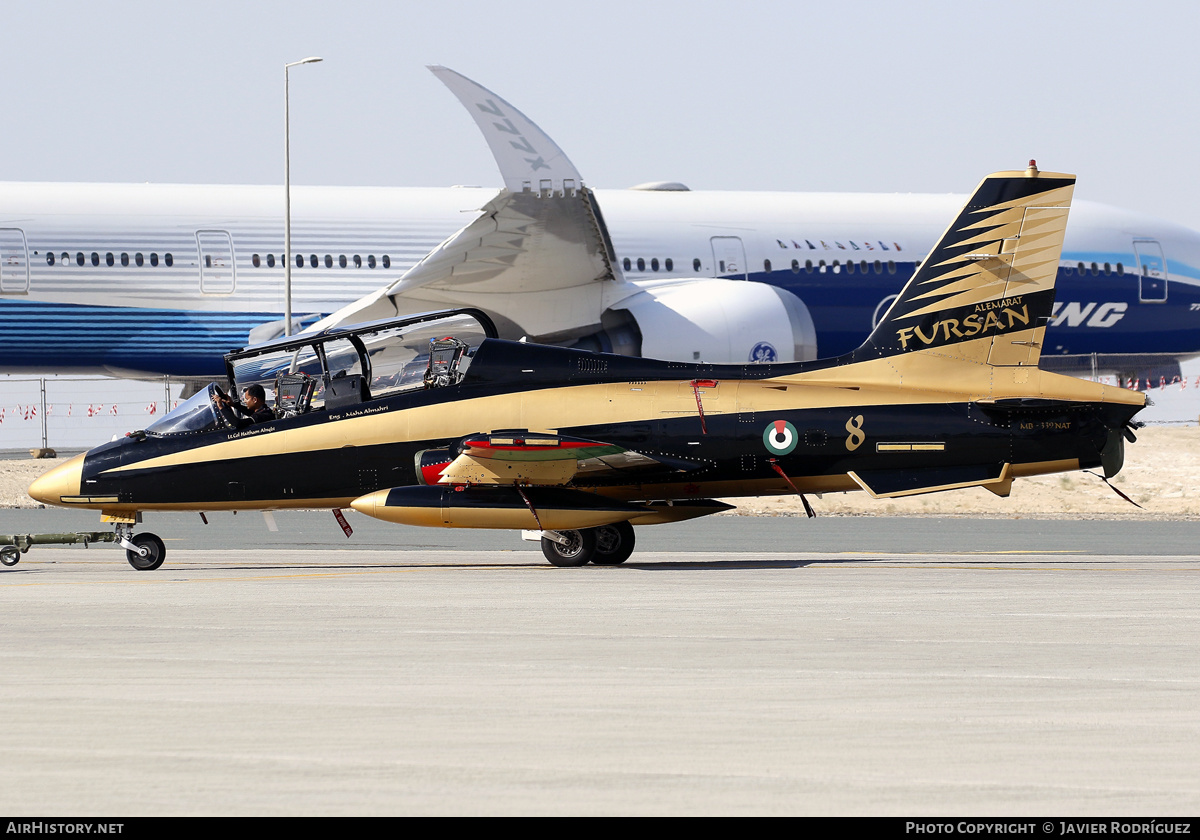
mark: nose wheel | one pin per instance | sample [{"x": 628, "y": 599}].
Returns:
[{"x": 147, "y": 554}]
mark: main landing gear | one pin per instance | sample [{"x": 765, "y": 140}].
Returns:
[{"x": 608, "y": 545}]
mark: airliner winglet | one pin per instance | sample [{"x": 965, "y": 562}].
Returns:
[
  {"x": 529, "y": 160},
  {"x": 536, "y": 250}
]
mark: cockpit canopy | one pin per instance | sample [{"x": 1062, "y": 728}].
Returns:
[{"x": 340, "y": 367}]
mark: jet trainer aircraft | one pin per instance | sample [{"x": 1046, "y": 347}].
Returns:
[{"x": 431, "y": 420}]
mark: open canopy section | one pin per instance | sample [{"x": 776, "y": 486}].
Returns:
[
  {"x": 338, "y": 368},
  {"x": 348, "y": 365}
]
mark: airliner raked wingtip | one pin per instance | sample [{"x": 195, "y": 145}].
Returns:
[{"x": 528, "y": 159}]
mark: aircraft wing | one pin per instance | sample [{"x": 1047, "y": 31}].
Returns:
[
  {"x": 534, "y": 258},
  {"x": 521, "y": 457}
]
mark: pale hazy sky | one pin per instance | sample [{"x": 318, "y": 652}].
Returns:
[{"x": 856, "y": 96}]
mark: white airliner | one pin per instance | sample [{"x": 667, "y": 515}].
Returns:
[{"x": 145, "y": 280}]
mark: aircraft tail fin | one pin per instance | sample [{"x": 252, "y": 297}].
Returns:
[{"x": 985, "y": 292}]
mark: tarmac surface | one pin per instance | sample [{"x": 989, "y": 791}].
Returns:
[{"x": 735, "y": 665}]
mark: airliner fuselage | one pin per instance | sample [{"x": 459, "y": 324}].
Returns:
[{"x": 163, "y": 279}]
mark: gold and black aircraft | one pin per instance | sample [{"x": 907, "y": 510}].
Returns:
[{"x": 431, "y": 420}]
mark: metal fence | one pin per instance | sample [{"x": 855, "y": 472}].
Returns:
[{"x": 78, "y": 412}]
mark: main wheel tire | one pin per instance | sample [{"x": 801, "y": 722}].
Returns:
[
  {"x": 614, "y": 544},
  {"x": 156, "y": 553},
  {"x": 579, "y": 550},
  {"x": 10, "y": 555}
]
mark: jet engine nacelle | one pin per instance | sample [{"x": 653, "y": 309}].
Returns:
[{"x": 721, "y": 321}]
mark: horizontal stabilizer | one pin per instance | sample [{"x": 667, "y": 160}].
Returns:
[{"x": 889, "y": 484}]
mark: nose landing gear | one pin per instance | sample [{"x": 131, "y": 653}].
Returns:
[{"x": 145, "y": 552}]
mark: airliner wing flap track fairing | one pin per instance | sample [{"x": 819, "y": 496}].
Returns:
[{"x": 433, "y": 421}]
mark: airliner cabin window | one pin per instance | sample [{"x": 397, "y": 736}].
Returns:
[
  {"x": 863, "y": 266},
  {"x": 878, "y": 267},
  {"x": 357, "y": 261},
  {"x": 95, "y": 258},
  {"x": 654, "y": 264},
  {"x": 270, "y": 260},
  {"x": 79, "y": 258},
  {"x": 313, "y": 260},
  {"x": 49, "y": 259},
  {"x": 387, "y": 261},
  {"x": 370, "y": 261},
  {"x": 342, "y": 261},
  {"x": 1120, "y": 270},
  {"x": 137, "y": 258},
  {"x": 795, "y": 266},
  {"x": 168, "y": 260},
  {"x": 767, "y": 266},
  {"x": 695, "y": 265},
  {"x": 1107, "y": 270},
  {"x": 66, "y": 258},
  {"x": 891, "y": 267},
  {"x": 670, "y": 264},
  {"x": 1095, "y": 270},
  {"x": 328, "y": 261},
  {"x": 849, "y": 266},
  {"x": 641, "y": 264},
  {"x": 626, "y": 264},
  {"x": 154, "y": 259},
  {"x": 1081, "y": 269},
  {"x": 108, "y": 258},
  {"x": 255, "y": 260},
  {"x": 299, "y": 261},
  {"x": 124, "y": 259}
]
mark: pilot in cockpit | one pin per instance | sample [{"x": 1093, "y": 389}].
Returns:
[{"x": 253, "y": 408}]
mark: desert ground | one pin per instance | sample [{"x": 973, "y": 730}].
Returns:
[{"x": 1160, "y": 474}]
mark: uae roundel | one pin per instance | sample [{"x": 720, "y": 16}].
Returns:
[{"x": 780, "y": 437}]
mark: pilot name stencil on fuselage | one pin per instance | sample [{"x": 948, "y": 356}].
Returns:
[
  {"x": 359, "y": 412},
  {"x": 257, "y": 430}
]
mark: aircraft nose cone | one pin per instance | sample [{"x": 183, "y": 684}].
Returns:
[{"x": 63, "y": 480}]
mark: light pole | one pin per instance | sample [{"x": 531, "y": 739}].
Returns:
[{"x": 287, "y": 196}]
